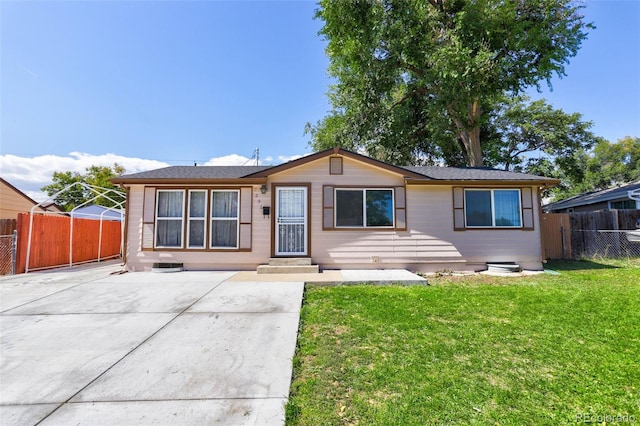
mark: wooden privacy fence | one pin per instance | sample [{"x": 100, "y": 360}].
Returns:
[
  {"x": 556, "y": 239},
  {"x": 58, "y": 240},
  {"x": 7, "y": 226},
  {"x": 586, "y": 234}
]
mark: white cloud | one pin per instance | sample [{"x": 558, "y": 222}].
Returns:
[
  {"x": 240, "y": 160},
  {"x": 286, "y": 159},
  {"x": 29, "y": 174},
  {"x": 230, "y": 160}
]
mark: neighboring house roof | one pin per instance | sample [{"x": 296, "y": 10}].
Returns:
[
  {"x": 95, "y": 211},
  {"x": 610, "y": 194},
  {"x": 258, "y": 174}
]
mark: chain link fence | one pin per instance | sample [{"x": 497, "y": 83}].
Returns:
[
  {"x": 8, "y": 254},
  {"x": 604, "y": 243}
]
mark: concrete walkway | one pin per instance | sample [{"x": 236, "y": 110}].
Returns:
[
  {"x": 91, "y": 346},
  {"x": 84, "y": 347},
  {"x": 339, "y": 277}
]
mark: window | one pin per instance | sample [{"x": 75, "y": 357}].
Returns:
[
  {"x": 224, "y": 219},
  {"x": 623, "y": 204},
  {"x": 358, "y": 208},
  {"x": 169, "y": 218},
  {"x": 196, "y": 225},
  {"x": 492, "y": 208}
]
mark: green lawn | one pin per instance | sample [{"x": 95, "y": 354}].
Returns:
[{"x": 544, "y": 349}]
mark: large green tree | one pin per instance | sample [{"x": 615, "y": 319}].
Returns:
[
  {"x": 95, "y": 176},
  {"x": 614, "y": 163},
  {"x": 415, "y": 78},
  {"x": 606, "y": 165},
  {"x": 519, "y": 131}
]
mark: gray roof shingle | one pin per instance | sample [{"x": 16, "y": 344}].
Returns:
[
  {"x": 471, "y": 173},
  {"x": 238, "y": 172},
  {"x": 609, "y": 194},
  {"x": 205, "y": 173},
  {"x": 195, "y": 172}
]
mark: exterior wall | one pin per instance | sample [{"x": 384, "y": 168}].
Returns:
[
  {"x": 13, "y": 202},
  {"x": 476, "y": 246},
  {"x": 139, "y": 259},
  {"x": 429, "y": 242}
]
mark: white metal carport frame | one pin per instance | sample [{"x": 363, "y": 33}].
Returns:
[{"x": 100, "y": 192}]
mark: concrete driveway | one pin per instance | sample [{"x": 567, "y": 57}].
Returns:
[{"x": 88, "y": 346}]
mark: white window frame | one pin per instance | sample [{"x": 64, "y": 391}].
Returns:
[
  {"x": 493, "y": 210},
  {"x": 364, "y": 208},
  {"x": 237, "y": 219},
  {"x": 160, "y": 219},
  {"x": 203, "y": 218}
]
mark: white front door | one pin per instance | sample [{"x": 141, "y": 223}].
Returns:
[{"x": 291, "y": 221}]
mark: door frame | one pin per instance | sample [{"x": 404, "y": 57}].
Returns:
[{"x": 274, "y": 200}]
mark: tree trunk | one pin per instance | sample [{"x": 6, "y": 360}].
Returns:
[
  {"x": 469, "y": 133},
  {"x": 471, "y": 140}
]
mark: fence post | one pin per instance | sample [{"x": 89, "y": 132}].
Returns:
[
  {"x": 14, "y": 250},
  {"x": 564, "y": 243}
]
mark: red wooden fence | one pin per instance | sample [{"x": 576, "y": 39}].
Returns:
[{"x": 51, "y": 236}]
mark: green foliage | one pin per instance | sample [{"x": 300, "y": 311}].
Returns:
[
  {"x": 614, "y": 163},
  {"x": 520, "y": 127},
  {"x": 607, "y": 165},
  {"x": 414, "y": 78},
  {"x": 97, "y": 176}
]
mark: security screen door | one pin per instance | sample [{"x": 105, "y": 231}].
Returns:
[{"x": 291, "y": 221}]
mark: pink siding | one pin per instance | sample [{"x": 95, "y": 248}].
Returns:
[
  {"x": 140, "y": 260},
  {"x": 429, "y": 242}
]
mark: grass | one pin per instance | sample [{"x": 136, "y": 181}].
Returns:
[{"x": 544, "y": 349}]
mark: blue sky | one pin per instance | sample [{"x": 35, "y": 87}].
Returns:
[{"x": 150, "y": 83}]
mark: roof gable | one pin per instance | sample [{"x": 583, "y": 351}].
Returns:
[{"x": 332, "y": 152}]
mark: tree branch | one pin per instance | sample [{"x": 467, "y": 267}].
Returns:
[
  {"x": 411, "y": 68},
  {"x": 408, "y": 95}
]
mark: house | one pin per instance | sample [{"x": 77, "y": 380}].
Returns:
[
  {"x": 97, "y": 212},
  {"x": 617, "y": 198},
  {"x": 14, "y": 201},
  {"x": 339, "y": 209}
]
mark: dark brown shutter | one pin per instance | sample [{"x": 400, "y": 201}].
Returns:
[
  {"x": 245, "y": 218},
  {"x": 458, "y": 208},
  {"x": 327, "y": 207},
  {"x": 401, "y": 208},
  {"x": 527, "y": 209},
  {"x": 148, "y": 217}
]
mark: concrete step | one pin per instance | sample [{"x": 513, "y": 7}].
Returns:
[
  {"x": 290, "y": 261},
  {"x": 288, "y": 269}
]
